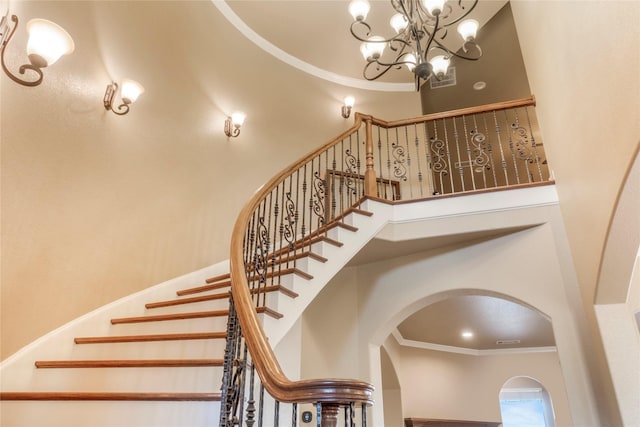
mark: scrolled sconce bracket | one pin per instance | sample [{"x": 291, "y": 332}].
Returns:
[
  {"x": 230, "y": 129},
  {"x": 35, "y": 66},
  {"x": 109, "y": 94}
]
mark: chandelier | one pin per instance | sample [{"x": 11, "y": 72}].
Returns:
[{"x": 421, "y": 27}]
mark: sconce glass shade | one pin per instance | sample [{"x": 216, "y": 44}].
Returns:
[
  {"x": 440, "y": 65},
  {"x": 349, "y": 101},
  {"x": 47, "y": 42},
  {"x": 468, "y": 29},
  {"x": 238, "y": 118},
  {"x": 359, "y": 9},
  {"x": 130, "y": 91}
]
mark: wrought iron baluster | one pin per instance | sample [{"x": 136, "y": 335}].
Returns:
[
  {"x": 399, "y": 159},
  {"x": 457, "y": 139},
  {"x": 274, "y": 211},
  {"x": 479, "y": 153},
  {"x": 408, "y": 155},
  {"x": 261, "y": 407},
  {"x": 276, "y": 413},
  {"x": 471, "y": 164},
  {"x": 427, "y": 157},
  {"x": 439, "y": 165},
  {"x": 512, "y": 148},
  {"x": 294, "y": 415},
  {"x": 534, "y": 145},
  {"x": 380, "y": 169},
  {"x": 319, "y": 414},
  {"x": 334, "y": 174},
  {"x": 304, "y": 203},
  {"x": 418, "y": 157},
  {"x": 352, "y": 414},
  {"x": 358, "y": 163},
  {"x": 503, "y": 161},
  {"x": 251, "y": 403},
  {"x": 448, "y": 153},
  {"x": 490, "y": 150},
  {"x": 364, "y": 415},
  {"x": 317, "y": 200}
]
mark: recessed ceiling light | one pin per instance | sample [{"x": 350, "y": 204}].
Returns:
[
  {"x": 479, "y": 85},
  {"x": 467, "y": 335}
]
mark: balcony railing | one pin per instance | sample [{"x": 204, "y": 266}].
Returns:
[{"x": 473, "y": 149}]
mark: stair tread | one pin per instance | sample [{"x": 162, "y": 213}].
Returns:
[
  {"x": 152, "y": 337},
  {"x": 175, "y": 316},
  {"x": 146, "y": 363},
  {"x": 179, "y": 301},
  {"x": 155, "y": 396}
]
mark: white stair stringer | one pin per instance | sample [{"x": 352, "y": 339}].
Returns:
[{"x": 337, "y": 258}]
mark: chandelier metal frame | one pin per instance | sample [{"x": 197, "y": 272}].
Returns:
[{"x": 421, "y": 40}]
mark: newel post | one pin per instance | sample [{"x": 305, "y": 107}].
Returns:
[{"x": 370, "y": 184}]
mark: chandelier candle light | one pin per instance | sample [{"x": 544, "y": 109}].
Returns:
[{"x": 421, "y": 27}]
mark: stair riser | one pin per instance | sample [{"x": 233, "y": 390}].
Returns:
[
  {"x": 148, "y": 380},
  {"x": 109, "y": 414},
  {"x": 217, "y": 304},
  {"x": 171, "y": 326},
  {"x": 194, "y": 349}
]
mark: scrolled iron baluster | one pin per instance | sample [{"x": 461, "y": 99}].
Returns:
[
  {"x": 290, "y": 218},
  {"x": 364, "y": 415},
  {"x": 317, "y": 199},
  {"x": 351, "y": 164},
  {"x": 439, "y": 165},
  {"x": 480, "y": 149},
  {"x": 398, "y": 152}
]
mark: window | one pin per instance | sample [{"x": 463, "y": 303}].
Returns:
[{"x": 524, "y": 402}]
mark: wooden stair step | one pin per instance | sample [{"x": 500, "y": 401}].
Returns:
[
  {"x": 191, "y": 300},
  {"x": 204, "y": 288},
  {"x": 122, "y": 396},
  {"x": 358, "y": 211},
  {"x": 159, "y": 363},
  {"x": 173, "y": 302},
  {"x": 165, "y": 317},
  {"x": 153, "y": 337}
]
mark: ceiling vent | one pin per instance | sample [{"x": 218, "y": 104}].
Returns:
[
  {"x": 507, "y": 342},
  {"x": 448, "y": 79}
]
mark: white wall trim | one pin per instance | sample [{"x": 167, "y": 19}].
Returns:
[{"x": 468, "y": 351}]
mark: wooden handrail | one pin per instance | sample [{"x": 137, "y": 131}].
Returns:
[
  {"x": 505, "y": 105},
  {"x": 264, "y": 360}
]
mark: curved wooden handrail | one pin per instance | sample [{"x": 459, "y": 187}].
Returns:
[
  {"x": 504, "y": 105},
  {"x": 264, "y": 360},
  {"x": 336, "y": 391}
]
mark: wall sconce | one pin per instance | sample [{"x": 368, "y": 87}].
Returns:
[
  {"x": 347, "y": 106},
  {"x": 233, "y": 123},
  {"x": 47, "y": 43},
  {"x": 129, "y": 92}
]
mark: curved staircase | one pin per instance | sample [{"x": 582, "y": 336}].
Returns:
[{"x": 167, "y": 351}]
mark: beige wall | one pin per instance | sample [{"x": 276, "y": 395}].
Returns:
[
  {"x": 96, "y": 206},
  {"x": 583, "y": 69}
]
